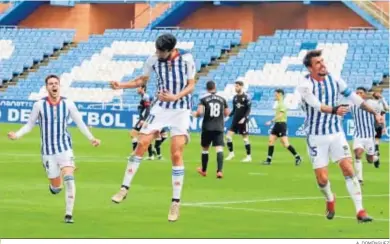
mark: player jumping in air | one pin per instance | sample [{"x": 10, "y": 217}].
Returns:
[
  {"x": 320, "y": 93},
  {"x": 240, "y": 123},
  {"x": 175, "y": 70},
  {"x": 214, "y": 109},
  {"x": 364, "y": 134},
  {"x": 52, "y": 113},
  {"x": 280, "y": 129}
]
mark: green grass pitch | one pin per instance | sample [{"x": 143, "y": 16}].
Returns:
[{"x": 252, "y": 201}]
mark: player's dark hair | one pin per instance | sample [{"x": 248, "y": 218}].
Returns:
[
  {"x": 210, "y": 85},
  {"x": 362, "y": 89},
  {"x": 240, "y": 83},
  {"x": 50, "y": 77},
  {"x": 309, "y": 55},
  {"x": 166, "y": 42},
  {"x": 280, "y": 91},
  {"x": 144, "y": 87}
]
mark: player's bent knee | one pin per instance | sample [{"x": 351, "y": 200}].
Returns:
[
  {"x": 219, "y": 149},
  {"x": 55, "y": 185},
  {"x": 321, "y": 175},
  {"x": 177, "y": 157}
]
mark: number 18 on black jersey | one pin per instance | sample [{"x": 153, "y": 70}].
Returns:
[{"x": 214, "y": 107}]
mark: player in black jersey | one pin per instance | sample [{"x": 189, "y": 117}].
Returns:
[
  {"x": 214, "y": 109},
  {"x": 143, "y": 112},
  {"x": 240, "y": 113}
]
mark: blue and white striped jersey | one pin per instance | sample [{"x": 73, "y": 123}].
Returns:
[
  {"x": 53, "y": 122},
  {"x": 173, "y": 76},
  {"x": 326, "y": 92},
  {"x": 364, "y": 121}
]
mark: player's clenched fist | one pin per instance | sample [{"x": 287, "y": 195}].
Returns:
[
  {"x": 342, "y": 110},
  {"x": 95, "y": 142},
  {"x": 12, "y": 135},
  {"x": 115, "y": 85}
]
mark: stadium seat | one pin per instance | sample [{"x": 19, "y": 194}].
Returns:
[{"x": 118, "y": 54}]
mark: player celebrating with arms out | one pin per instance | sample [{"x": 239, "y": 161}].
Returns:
[
  {"x": 240, "y": 112},
  {"x": 175, "y": 70},
  {"x": 280, "y": 129},
  {"x": 325, "y": 136},
  {"x": 52, "y": 113},
  {"x": 214, "y": 108},
  {"x": 364, "y": 133}
]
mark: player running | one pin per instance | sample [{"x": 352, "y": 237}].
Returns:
[
  {"x": 175, "y": 70},
  {"x": 280, "y": 129},
  {"x": 240, "y": 113},
  {"x": 325, "y": 136},
  {"x": 143, "y": 113},
  {"x": 380, "y": 128},
  {"x": 52, "y": 113},
  {"x": 214, "y": 109},
  {"x": 364, "y": 134}
]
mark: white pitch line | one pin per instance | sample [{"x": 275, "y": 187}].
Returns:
[
  {"x": 280, "y": 212},
  {"x": 270, "y": 200},
  {"x": 254, "y": 173}
]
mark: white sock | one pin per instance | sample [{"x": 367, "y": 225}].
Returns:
[
  {"x": 376, "y": 158},
  {"x": 177, "y": 181},
  {"x": 327, "y": 191},
  {"x": 132, "y": 167},
  {"x": 359, "y": 169},
  {"x": 355, "y": 191},
  {"x": 70, "y": 194}
]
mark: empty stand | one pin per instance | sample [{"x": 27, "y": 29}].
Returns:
[
  {"x": 119, "y": 54},
  {"x": 21, "y": 48}
]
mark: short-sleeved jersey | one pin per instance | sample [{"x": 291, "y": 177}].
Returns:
[
  {"x": 144, "y": 106},
  {"x": 281, "y": 108},
  {"x": 241, "y": 107},
  {"x": 214, "y": 107},
  {"x": 173, "y": 76},
  {"x": 364, "y": 121},
  {"x": 327, "y": 92}
]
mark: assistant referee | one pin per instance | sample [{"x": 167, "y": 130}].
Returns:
[{"x": 279, "y": 130}]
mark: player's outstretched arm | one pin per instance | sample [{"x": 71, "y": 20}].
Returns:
[
  {"x": 76, "y": 117},
  {"x": 139, "y": 81},
  {"x": 27, "y": 127}
]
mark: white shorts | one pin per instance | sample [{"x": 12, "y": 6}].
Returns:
[
  {"x": 178, "y": 120},
  {"x": 54, "y": 163},
  {"x": 368, "y": 144},
  {"x": 321, "y": 148}
]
